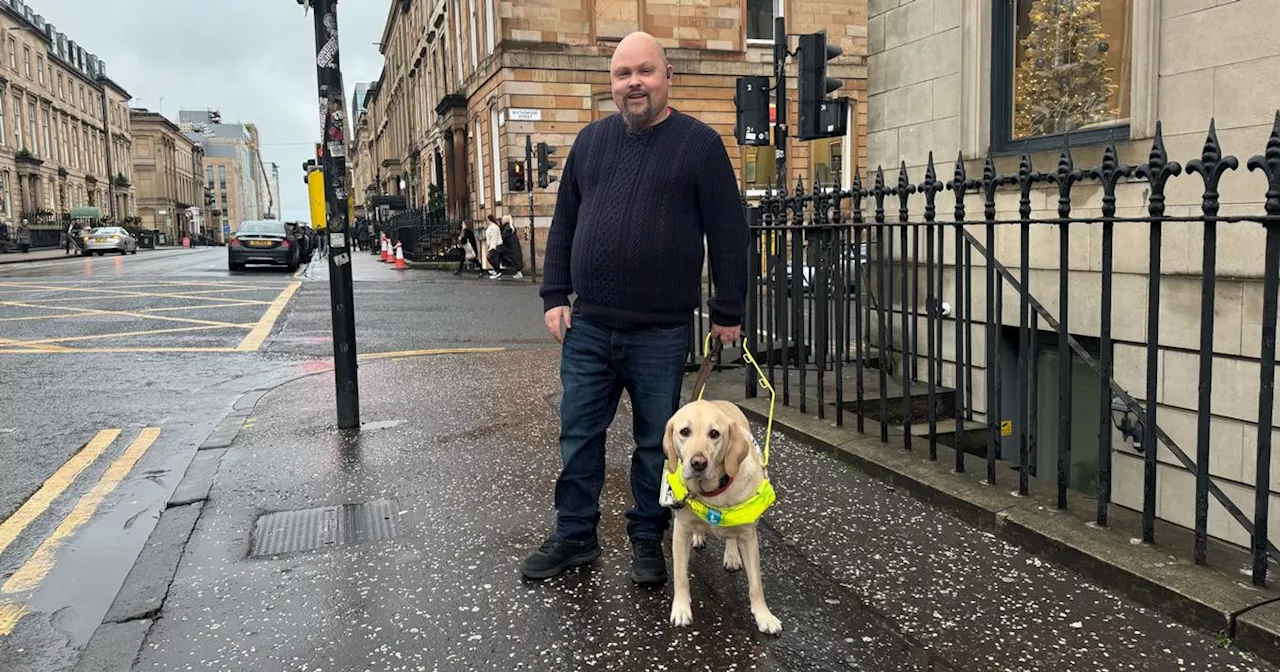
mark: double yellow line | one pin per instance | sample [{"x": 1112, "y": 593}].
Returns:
[{"x": 37, "y": 567}]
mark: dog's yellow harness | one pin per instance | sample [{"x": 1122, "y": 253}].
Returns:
[{"x": 746, "y": 512}]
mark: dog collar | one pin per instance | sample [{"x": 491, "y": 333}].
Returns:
[
  {"x": 725, "y": 481},
  {"x": 742, "y": 514}
]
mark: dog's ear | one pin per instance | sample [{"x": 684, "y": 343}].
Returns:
[
  {"x": 668, "y": 445},
  {"x": 738, "y": 442}
]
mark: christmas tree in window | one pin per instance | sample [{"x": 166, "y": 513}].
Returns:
[{"x": 1063, "y": 82}]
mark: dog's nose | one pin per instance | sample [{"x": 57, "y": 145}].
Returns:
[{"x": 698, "y": 463}]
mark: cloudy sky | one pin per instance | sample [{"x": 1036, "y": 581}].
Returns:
[{"x": 254, "y": 60}]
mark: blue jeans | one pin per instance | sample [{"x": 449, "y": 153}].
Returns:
[{"x": 597, "y": 363}]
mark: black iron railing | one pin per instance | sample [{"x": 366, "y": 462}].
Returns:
[{"x": 843, "y": 290}]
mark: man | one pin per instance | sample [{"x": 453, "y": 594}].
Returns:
[{"x": 638, "y": 192}]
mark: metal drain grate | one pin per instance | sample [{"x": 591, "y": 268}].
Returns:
[{"x": 325, "y": 527}]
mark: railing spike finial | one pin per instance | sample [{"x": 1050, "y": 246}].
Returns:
[
  {"x": 1269, "y": 164},
  {"x": 1157, "y": 171},
  {"x": 1211, "y": 165}
]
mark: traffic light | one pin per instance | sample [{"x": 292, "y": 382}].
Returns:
[
  {"x": 545, "y": 164},
  {"x": 307, "y": 167},
  {"x": 820, "y": 117},
  {"x": 515, "y": 176},
  {"x": 751, "y": 99}
]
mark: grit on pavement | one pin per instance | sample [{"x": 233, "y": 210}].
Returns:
[
  {"x": 453, "y": 478},
  {"x": 422, "y": 517}
]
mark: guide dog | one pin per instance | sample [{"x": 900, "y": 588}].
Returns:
[{"x": 710, "y": 443}]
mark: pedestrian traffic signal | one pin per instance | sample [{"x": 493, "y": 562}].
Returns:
[
  {"x": 545, "y": 164},
  {"x": 751, "y": 99},
  {"x": 308, "y": 167},
  {"x": 819, "y": 117},
  {"x": 515, "y": 176}
]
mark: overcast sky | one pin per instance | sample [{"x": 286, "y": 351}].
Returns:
[{"x": 254, "y": 60}]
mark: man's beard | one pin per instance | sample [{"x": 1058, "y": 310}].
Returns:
[{"x": 639, "y": 122}]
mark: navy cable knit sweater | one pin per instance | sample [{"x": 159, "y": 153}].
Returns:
[{"x": 632, "y": 210}]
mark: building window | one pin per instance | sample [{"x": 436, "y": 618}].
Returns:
[
  {"x": 17, "y": 123},
  {"x": 491, "y": 40},
  {"x": 759, "y": 168},
  {"x": 1060, "y": 67},
  {"x": 35, "y": 135},
  {"x": 3, "y": 139},
  {"x": 478, "y": 141},
  {"x": 760, "y": 16},
  {"x": 62, "y": 95},
  {"x": 497, "y": 155},
  {"x": 13, "y": 54},
  {"x": 49, "y": 147},
  {"x": 475, "y": 40},
  {"x": 40, "y": 69},
  {"x": 828, "y": 162},
  {"x": 26, "y": 60}
]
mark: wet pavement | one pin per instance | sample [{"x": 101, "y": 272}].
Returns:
[
  {"x": 461, "y": 466},
  {"x": 105, "y": 363}
]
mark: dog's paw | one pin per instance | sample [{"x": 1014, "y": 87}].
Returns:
[
  {"x": 699, "y": 540},
  {"x": 732, "y": 558},
  {"x": 766, "y": 621},
  {"x": 682, "y": 614}
]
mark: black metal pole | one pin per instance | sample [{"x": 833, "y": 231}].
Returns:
[
  {"x": 334, "y": 162},
  {"x": 528, "y": 186},
  {"x": 780, "y": 118}
]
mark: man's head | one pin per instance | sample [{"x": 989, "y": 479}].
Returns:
[{"x": 641, "y": 80}]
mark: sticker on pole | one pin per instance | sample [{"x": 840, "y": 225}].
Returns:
[
  {"x": 1006, "y": 428},
  {"x": 337, "y": 240}
]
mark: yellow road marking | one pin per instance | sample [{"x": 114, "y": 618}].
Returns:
[
  {"x": 67, "y": 339},
  {"x": 53, "y": 349},
  {"x": 254, "y": 340},
  {"x": 31, "y": 348},
  {"x": 112, "y": 292},
  {"x": 54, "y": 486},
  {"x": 82, "y": 299},
  {"x": 421, "y": 353},
  {"x": 10, "y": 614},
  {"x": 125, "y": 313},
  {"x": 37, "y": 567}
]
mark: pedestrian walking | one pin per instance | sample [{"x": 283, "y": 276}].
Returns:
[
  {"x": 24, "y": 237},
  {"x": 512, "y": 252},
  {"x": 637, "y": 194},
  {"x": 493, "y": 243},
  {"x": 467, "y": 241}
]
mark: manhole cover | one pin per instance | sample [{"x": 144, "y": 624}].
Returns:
[{"x": 325, "y": 527}]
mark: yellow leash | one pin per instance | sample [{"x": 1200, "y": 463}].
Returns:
[
  {"x": 674, "y": 493},
  {"x": 746, "y": 354}
]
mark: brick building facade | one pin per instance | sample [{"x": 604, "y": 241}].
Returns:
[{"x": 465, "y": 82}]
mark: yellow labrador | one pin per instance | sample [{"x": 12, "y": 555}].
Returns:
[{"x": 711, "y": 443}]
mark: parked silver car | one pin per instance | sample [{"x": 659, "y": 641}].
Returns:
[{"x": 110, "y": 239}]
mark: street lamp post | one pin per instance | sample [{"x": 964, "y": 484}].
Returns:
[{"x": 334, "y": 162}]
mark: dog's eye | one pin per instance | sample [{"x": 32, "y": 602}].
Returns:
[
  {"x": 685, "y": 432},
  {"x": 715, "y": 433}
]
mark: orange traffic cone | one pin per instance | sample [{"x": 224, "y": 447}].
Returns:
[
  {"x": 400, "y": 265},
  {"x": 385, "y": 249}
]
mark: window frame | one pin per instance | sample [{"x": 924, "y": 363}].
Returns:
[
  {"x": 1002, "y": 142},
  {"x": 496, "y": 148},
  {"x": 779, "y": 9}
]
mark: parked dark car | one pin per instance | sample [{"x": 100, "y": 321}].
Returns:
[{"x": 265, "y": 241}]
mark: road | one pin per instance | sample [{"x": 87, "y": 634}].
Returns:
[
  {"x": 98, "y": 353},
  {"x": 116, "y": 374}
]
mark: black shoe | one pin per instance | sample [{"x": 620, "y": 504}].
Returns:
[
  {"x": 556, "y": 556},
  {"x": 648, "y": 565}
]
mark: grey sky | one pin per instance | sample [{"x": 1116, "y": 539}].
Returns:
[{"x": 254, "y": 60}]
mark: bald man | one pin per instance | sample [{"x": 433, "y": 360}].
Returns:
[{"x": 639, "y": 193}]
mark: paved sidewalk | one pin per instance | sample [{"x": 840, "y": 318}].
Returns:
[
  {"x": 460, "y": 451},
  {"x": 15, "y": 257}
]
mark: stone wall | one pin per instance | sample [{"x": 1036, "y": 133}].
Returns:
[{"x": 1193, "y": 61}]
